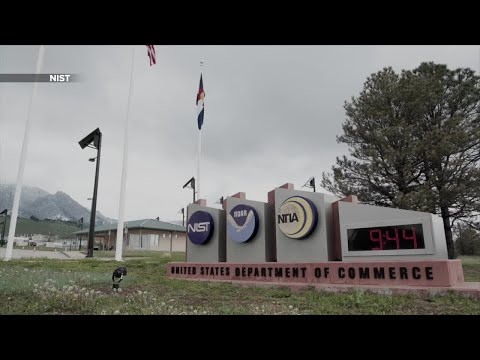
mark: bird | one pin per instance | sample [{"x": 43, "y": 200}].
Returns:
[{"x": 118, "y": 274}]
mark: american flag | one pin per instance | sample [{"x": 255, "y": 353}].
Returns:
[{"x": 151, "y": 54}]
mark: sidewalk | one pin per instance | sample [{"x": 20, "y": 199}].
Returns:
[
  {"x": 59, "y": 255},
  {"x": 20, "y": 254}
]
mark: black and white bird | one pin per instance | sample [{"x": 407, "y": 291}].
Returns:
[{"x": 118, "y": 274}]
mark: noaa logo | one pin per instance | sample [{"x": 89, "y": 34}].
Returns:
[
  {"x": 297, "y": 217},
  {"x": 200, "y": 227},
  {"x": 242, "y": 223}
]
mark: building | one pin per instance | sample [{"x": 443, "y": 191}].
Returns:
[{"x": 146, "y": 234}]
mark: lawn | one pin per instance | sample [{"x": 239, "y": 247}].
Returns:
[{"x": 85, "y": 287}]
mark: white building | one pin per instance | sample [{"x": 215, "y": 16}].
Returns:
[{"x": 146, "y": 234}]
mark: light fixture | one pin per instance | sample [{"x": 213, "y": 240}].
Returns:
[
  {"x": 94, "y": 137},
  {"x": 310, "y": 183},
  {"x": 191, "y": 182}
]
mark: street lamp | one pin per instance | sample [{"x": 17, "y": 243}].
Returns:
[
  {"x": 191, "y": 182},
  {"x": 80, "y": 221},
  {"x": 4, "y": 213},
  {"x": 94, "y": 137},
  {"x": 310, "y": 183},
  {"x": 182, "y": 210}
]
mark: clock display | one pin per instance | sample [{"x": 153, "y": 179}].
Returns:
[{"x": 398, "y": 237}]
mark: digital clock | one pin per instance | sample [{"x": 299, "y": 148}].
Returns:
[{"x": 398, "y": 237}]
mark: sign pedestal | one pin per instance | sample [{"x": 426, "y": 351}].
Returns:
[{"x": 427, "y": 273}]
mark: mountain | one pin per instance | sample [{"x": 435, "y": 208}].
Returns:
[{"x": 43, "y": 205}]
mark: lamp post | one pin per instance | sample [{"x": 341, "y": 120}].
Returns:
[
  {"x": 310, "y": 183},
  {"x": 125, "y": 232},
  {"x": 191, "y": 182},
  {"x": 182, "y": 210},
  {"x": 95, "y": 137},
  {"x": 4, "y": 213},
  {"x": 81, "y": 228}
]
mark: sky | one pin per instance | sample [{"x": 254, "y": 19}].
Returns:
[{"x": 272, "y": 115}]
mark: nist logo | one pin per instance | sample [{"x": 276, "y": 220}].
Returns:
[
  {"x": 60, "y": 78},
  {"x": 200, "y": 227}
]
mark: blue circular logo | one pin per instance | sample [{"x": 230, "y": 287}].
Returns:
[
  {"x": 242, "y": 223},
  {"x": 297, "y": 217},
  {"x": 200, "y": 227}
]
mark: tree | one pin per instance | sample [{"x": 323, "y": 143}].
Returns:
[
  {"x": 414, "y": 143},
  {"x": 467, "y": 240}
]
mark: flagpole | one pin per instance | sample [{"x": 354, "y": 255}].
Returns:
[
  {"x": 121, "y": 208},
  {"x": 198, "y": 165},
  {"x": 199, "y": 149},
  {"x": 23, "y": 159}
]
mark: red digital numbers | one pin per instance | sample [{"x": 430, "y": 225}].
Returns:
[
  {"x": 380, "y": 239},
  {"x": 410, "y": 238},
  {"x": 376, "y": 238},
  {"x": 400, "y": 238},
  {"x": 395, "y": 238}
]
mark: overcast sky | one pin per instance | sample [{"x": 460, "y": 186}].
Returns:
[{"x": 272, "y": 114}]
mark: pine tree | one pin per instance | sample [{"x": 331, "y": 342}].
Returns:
[{"x": 414, "y": 143}]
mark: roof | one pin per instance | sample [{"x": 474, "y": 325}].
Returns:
[{"x": 144, "y": 224}]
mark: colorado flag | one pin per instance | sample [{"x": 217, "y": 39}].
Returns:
[{"x": 200, "y": 105}]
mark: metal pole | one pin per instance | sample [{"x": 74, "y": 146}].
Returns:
[
  {"x": 123, "y": 185},
  {"x": 3, "y": 231},
  {"x": 81, "y": 228},
  {"x": 171, "y": 238},
  {"x": 193, "y": 187},
  {"x": 94, "y": 200},
  {"x": 23, "y": 159},
  {"x": 4, "y": 225},
  {"x": 183, "y": 217}
]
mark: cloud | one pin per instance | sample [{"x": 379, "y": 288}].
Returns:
[{"x": 272, "y": 114}]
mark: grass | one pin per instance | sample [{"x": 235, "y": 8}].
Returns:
[
  {"x": 137, "y": 254},
  {"x": 471, "y": 267},
  {"x": 84, "y": 287}
]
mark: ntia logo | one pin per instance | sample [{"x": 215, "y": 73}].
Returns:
[
  {"x": 200, "y": 227},
  {"x": 297, "y": 217}
]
